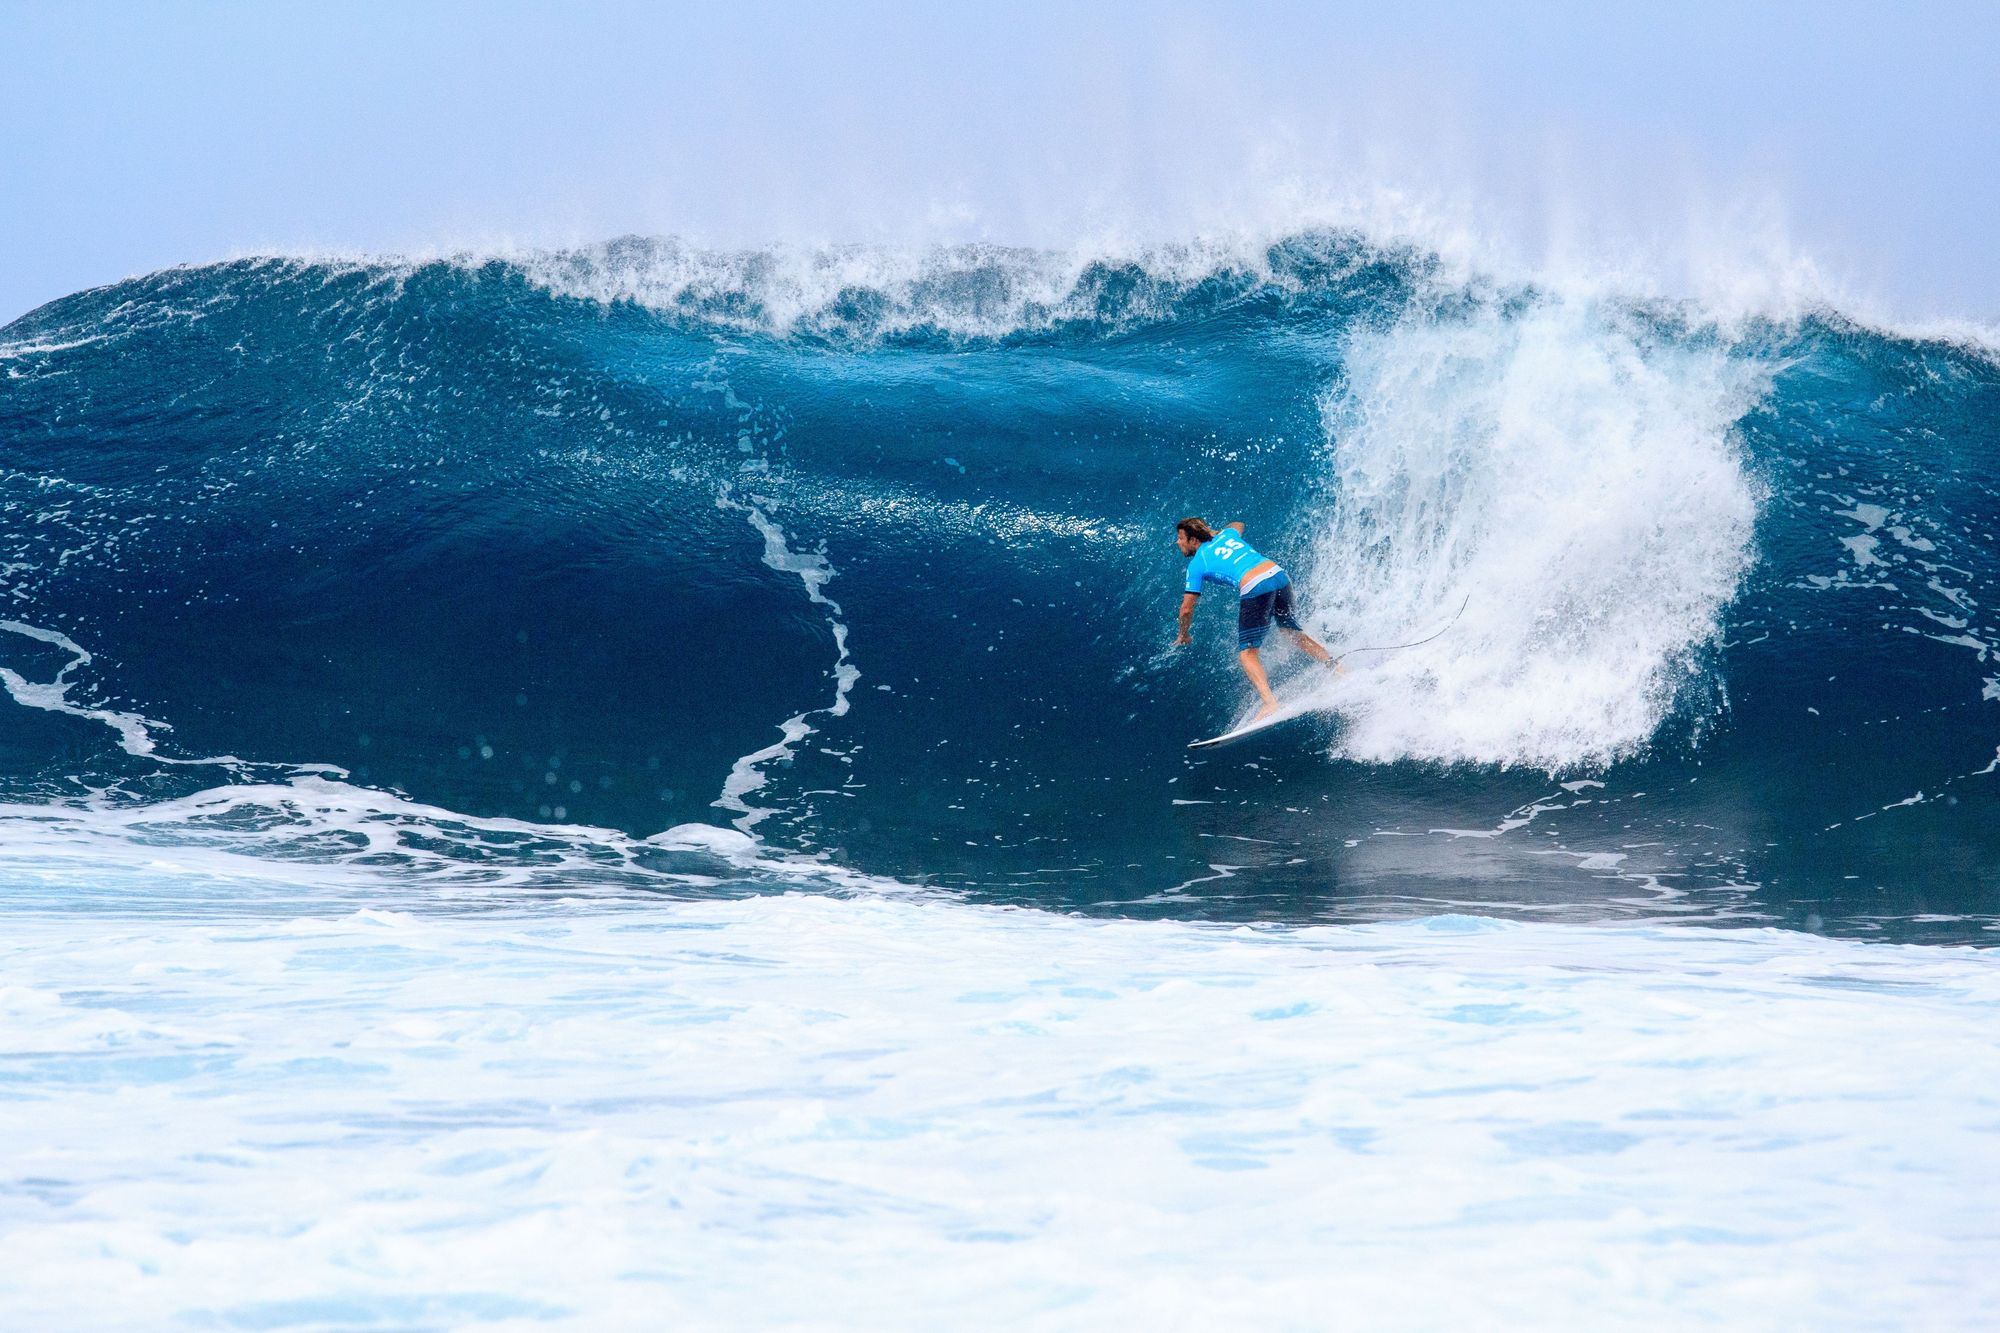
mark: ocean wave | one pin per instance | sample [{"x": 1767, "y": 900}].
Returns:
[{"x": 867, "y": 552}]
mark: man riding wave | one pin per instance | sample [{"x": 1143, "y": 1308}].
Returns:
[{"x": 1263, "y": 591}]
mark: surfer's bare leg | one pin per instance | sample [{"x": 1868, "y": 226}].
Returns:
[
  {"x": 1313, "y": 647},
  {"x": 1253, "y": 667}
]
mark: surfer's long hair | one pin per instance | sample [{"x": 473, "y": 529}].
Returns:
[{"x": 1196, "y": 528}]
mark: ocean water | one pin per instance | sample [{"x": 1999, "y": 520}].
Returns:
[{"x": 640, "y": 785}]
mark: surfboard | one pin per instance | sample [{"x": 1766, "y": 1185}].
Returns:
[{"x": 1284, "y": 713}]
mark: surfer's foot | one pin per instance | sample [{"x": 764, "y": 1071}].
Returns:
[{"x": 1265, "y": 711}]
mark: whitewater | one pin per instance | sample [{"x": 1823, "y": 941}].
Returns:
[{"x": 643, "y": 785}]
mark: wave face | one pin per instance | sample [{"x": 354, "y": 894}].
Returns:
[{"x": 495, "y": 567}]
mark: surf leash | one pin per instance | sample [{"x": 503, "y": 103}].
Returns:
[{"x": 1397, "y": 647}]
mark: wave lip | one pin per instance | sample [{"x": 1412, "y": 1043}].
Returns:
[{"x": 962, "y": 291}]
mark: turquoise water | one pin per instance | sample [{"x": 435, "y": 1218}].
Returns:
[{"x": 871, "y": 555}]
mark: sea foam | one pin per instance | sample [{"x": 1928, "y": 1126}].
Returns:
[
  {"x": 1573, "y": 484},
  {"x": 808, "y": 1110}
]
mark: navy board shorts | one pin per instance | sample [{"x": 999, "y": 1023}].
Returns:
[{"x": 1255, "y": 613}]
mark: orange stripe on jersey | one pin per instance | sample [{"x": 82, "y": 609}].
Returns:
[{"x": 1263, "y": 569}]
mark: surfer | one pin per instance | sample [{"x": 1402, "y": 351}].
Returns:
[{"x": 1263, "y": 591}]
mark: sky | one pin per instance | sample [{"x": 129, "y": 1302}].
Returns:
[{"x": 1695, "y": 147}]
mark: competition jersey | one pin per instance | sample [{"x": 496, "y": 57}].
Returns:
[{"x": 1227, "y": 558}]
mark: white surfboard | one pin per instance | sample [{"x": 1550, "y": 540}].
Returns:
[{"x": 1283, "y": 713}]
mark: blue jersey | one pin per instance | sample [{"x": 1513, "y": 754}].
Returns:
[{"x": 1230, "y": 560}]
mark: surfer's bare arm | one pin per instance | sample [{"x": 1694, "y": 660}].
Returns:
[
  {"x": 1236, "y": 523},
  {"x": 1188, "y": 599}
]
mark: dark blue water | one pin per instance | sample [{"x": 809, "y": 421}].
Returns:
[{"x": 569, "y": 541}]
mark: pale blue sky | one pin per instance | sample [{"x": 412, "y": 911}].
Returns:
[{"x": 1674, "y": 135}]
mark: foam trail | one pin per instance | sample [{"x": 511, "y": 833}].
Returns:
[
  {"x": 324, "y": 837},
  {"x": 134, "y": 730},
  {"x": 747, "y": 774}
]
